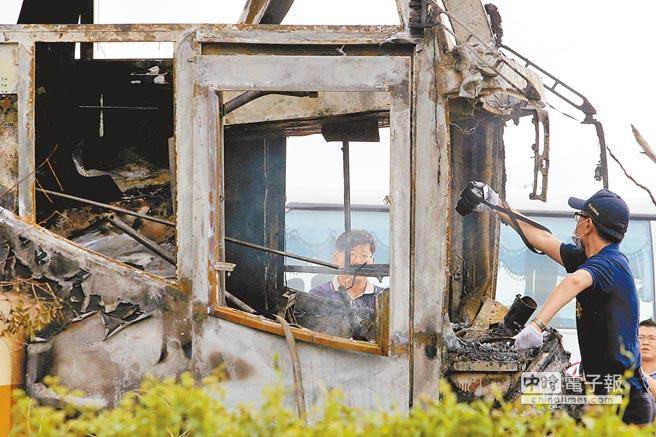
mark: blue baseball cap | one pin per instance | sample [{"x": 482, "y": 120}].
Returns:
[{"x": 607, "y": 210}]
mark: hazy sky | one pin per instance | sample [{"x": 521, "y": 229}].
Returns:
[{"x": 604, "y": 52}]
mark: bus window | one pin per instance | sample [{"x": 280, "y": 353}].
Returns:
[{"x": 524, "y": 272}]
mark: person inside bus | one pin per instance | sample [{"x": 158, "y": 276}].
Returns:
[
  {"x": 647, "y": 338},
  {"x": 601, "y": 281},
  {"x": 354, "y": 289}
]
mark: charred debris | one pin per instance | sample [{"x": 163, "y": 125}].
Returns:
[{"x": 147, "y": 198}]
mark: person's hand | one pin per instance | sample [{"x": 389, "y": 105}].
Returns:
[
  {"x": 490, "y": 197},
  {"x": 528, "y": 338},
  {"x": 472, "y": 197}
]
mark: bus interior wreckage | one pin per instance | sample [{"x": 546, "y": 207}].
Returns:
[{"x": 145, "y": 200}]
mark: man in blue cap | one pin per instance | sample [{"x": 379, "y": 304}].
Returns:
[{"x": 606, "y": 298}]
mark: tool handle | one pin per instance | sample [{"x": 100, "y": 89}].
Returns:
[{"x": 515, "y": 217}]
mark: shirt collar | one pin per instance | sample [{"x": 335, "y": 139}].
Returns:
[
  {"x": 611, "y": 246},
  {"x": 368, "y": 289}
]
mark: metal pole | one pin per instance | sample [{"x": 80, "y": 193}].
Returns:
[
  {"x": 150, "y": 244},
  {"x": 109, "y": 207},
  {"x": 281, "y": 253},
  {"x": 239, "y": 303},
  {"x": 346, "y": 155},
  {"x": 170, "y": 223}
]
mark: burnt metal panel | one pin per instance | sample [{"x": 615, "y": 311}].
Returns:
[
  {"x": 255, "y": 212},
  {"x": 8, "y": 150},
  {"x": 368, "y": 381},
  {"x": 477, "y": 154},
  {"x": 367, "y": 73},
  {"x": 8, "y": 68},
  {"x": 125, "y": 304},
  {"x": 472, "y": 14}
]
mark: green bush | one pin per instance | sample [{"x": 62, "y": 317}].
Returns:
[{"x": 176, "y": 408}]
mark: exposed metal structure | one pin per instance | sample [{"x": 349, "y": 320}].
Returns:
[{"x": 222, "y": 116}]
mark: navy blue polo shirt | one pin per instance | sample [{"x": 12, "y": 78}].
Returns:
[{"x": 607, "y": 313}]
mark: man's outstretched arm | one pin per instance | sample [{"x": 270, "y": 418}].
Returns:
[{"x": 540, "y": 239}]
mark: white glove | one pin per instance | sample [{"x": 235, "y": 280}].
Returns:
[
  {"x": 528, "y": 338},
  {"x": 490, "y": 197}
]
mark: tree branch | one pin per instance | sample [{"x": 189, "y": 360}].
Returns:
[
  {"x": 647, "y": 150},
  {"x": 612, "y": 155}
]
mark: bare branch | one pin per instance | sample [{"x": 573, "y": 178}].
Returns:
[
  {"x": 647, "y": 150},
  {"x": 612, "y": 155}
]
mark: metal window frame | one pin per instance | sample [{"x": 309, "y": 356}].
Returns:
[{"x": 216, "y": 73}]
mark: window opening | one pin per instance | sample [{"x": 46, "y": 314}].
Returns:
[
  {"x": 526, "y": 273},
  {"x": 104, "y": 130},
  {"x": 316, "y": 187}
]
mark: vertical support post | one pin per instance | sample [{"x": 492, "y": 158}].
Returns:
[
  {"x": 203, "y": 199},
  {"x": 217, "y": 200},
  {"x": 431, "y": 209},
  {"x": 403, "y": 6},
  {"x": 26, "y": 137},
  {"x": 87, "y": 17},
  {"x": 207, "y": 218},
  {"x": 346, "y": 165},
  {"x": 184, "y": 100},
  {"x": 185, "y": 50}
]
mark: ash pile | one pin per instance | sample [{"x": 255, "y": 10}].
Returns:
[{"x": 481, "y": 357}]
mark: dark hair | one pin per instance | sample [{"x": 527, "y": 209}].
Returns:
[
  {"x": 648, "y": 323},
  {"x": 603, "y": 233},
  {"x": 356, "y": 237}
]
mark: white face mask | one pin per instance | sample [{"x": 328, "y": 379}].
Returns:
[
  {"x": 577, "y": 241},
  {"x": 577, "y": 238}
]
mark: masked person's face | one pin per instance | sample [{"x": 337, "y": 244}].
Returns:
[{"x": 581, "y": 229}]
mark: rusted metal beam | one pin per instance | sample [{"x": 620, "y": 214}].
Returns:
[
  {"x": 265, "y": 11},
  {"x": 370, "y": 270},
  {"x": 170, "y": 223},
  {"x": 540, "y": 156},
  {"x": 585, "y": 107},
  {"x": 249, "y": 96},
  {"x": 26, "y": 132},
  {"x": 106, "y": 206},
  {"x": 203, "y": 33},
  {"x": 147, "y": 242},
  {"x": 239, "y": 303},
  {"x": 281, "y": 253}
]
